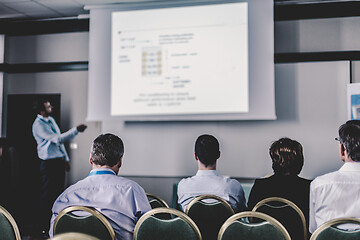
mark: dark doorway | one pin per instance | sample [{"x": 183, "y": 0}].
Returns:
[{"x": 24, "y": 163}]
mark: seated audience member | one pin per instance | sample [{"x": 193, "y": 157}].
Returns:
[
  {"x": 287, "y": 161},
  {"x": 122, "y": 201},
  {"x": 337, "y": 194},
  {"x": 207, "y": 180}
]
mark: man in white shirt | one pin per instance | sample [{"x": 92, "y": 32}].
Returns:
[
  {"x": 207, "y": 180},
  {"x": 337, "y": 194}
]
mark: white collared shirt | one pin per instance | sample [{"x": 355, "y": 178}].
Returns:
[
  {"x": 211, "y": 182},
  {"x": 334, "y": 195}
]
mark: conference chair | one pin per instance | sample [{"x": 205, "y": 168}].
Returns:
[
  {"x": 241, "y": 227},
  {"x": 156, "y": 201},
  {"x": 180, "y": 227},
  {"x": 209, "y": 212},
  {"x": 330, "y": 231},
  {"x": 73, "y": 236},
  {"x": 84, "y": 220},
  {"x": 287, "y": 213},
  {"x": 8, "y": 227}
]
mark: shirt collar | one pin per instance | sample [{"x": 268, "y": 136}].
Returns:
[
  {"x": 350, "y": 167},
  {"x": 102, "y": 169},
  {"x": 207, "y": 173},
  {"x": 43, "y": 118}
]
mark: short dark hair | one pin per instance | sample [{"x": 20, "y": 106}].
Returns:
[
  {"x": 40, "y": 105},
  {"x": 107, "y": 149},
  {"x": 207, "y": 149},
  {"x": 349, "y": 134},
  {"x": 287, "y": 156}
]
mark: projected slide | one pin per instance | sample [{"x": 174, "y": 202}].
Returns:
[{"x": 186, "y": 60}]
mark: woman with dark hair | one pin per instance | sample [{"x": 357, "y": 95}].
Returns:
[{"x": 287, "y": 161}]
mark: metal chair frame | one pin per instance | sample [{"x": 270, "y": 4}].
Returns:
[
  {"x": 209, "y": 196},
  {"x": 149, "y": 195},
  {"x": 333, "y": 222},
  {"x": 73, "y": 236},
  {"x": 251, "y": 214},
  {"x": 90, "y": 210},
  {"x": 289, "y": 203},
  {"x": 12, "y": 222},
  {"x": 175, "y": 212}
]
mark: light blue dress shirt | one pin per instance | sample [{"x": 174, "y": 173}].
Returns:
[
  {"x": 211, "y": 182},
  {"x": 121, "y": 200},
  {"x": 335, "y": 195},
  {"x": 50, "y": 141}
]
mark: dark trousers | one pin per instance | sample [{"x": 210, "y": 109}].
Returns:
[{"x": 52, "y": 172}]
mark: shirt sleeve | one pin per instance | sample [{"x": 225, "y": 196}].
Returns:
[
  {"x": 241, "y": 205},
  {"x": 42, "y": 131},
  {"x": 312, "y": 223},
  {"x": 254, "y": 196},
  {"x": 141, "y": 202}
]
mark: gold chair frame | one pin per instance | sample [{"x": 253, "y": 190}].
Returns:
[
  {"x": 90, "y": 210},
  {"x": 12, "y": 222},
  {"x": 209, "y": 196},
  {"x": 332, "y": 222},
  {"x": 288, "y": 202},
  {"x": 252, "y": 214},
  {"x": 157, "y": 198},
  {"x": 73, "y": 236},
  {"x": 172, "y": 211}
]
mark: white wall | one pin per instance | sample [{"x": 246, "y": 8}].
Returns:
[{"x": 310, "y": 99}]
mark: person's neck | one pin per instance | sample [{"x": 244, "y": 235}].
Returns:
[
  {"x": 203, "y": 167},
  {"x": 94, "y": 166}
]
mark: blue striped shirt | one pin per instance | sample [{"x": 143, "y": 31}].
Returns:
[{"x": 49, "y": 139}]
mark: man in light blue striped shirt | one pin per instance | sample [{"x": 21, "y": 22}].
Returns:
[
  {"x": 120, "y": 200},
  {"x": 54, "y": 158}
]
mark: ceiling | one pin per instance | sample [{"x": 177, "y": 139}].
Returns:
[{"x": 43, "y": 9}]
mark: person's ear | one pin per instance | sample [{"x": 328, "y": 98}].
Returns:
[
  {"x": 219, "y": 154},
  {"x": 342, "y": 151},
  {"x": 120, "y": 162},
  {"x": 90, "y": 161},
  {"x": 196, "y": 157}
]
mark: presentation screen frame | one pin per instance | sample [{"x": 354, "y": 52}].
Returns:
[{"x": 261, "y": 99}]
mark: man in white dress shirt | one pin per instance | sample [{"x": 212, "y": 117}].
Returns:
[
  {"x": 207, "y": 180},
  {"x": 337, "y": 194},
  {"x": 121, "y": 200}
]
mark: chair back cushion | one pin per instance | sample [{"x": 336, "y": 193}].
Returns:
[
  {"x": 209, "y": 217},
  {"x": 88, "y": 224},
  {"x": 6, "y": 230},
  {"x": 175, "y": 229},
  {"x": 256, "y": 231}
]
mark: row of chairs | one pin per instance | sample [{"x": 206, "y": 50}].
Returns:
[
  {"x": 210, "y": 217},
  {"x": 165, "y": 223}
]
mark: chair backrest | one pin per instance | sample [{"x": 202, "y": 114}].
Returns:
[
  {"x": 236, "y": 227},
  {"x": 180, "y": 227},
  {"x": 209, "y": 216},
  {"x": 329, "y": 230},
  {"x": 74, "y": 236},
  {"x": 287, "y": 213},
  {"x": 8, "y": 228},
  {"x": 156, "y": 201},
  {"x": 92, "y": 223}
]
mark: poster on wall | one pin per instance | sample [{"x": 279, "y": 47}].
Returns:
[{"x": 353, "y": 93}]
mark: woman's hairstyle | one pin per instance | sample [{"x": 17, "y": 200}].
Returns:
[{"x": 287, "y": 156}]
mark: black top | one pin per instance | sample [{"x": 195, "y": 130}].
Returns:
[{"x": 293, "y": 188}]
